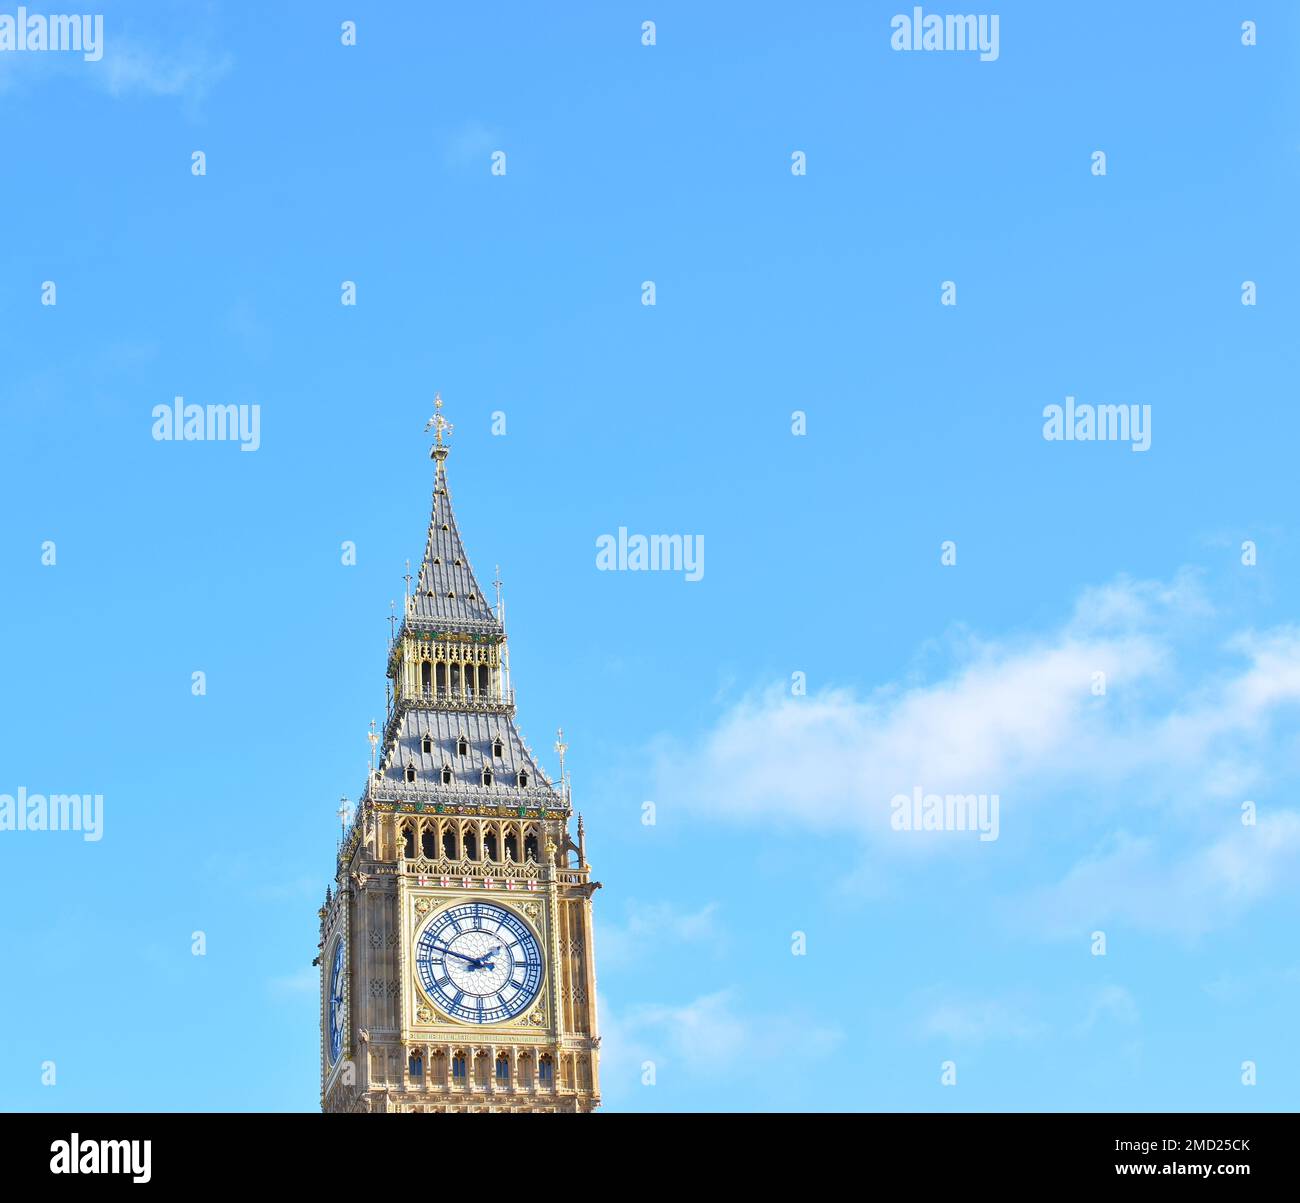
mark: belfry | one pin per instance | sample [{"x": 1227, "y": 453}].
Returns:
[{"x": 457, "y": 969}]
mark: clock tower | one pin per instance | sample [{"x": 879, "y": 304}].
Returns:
[{"x": 456, "y": 940}]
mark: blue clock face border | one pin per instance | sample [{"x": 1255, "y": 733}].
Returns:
[
  {"x": 479, "y": 962},
  {"x": 335, "y": 1004}
]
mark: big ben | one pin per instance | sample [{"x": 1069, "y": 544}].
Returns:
[{"x": 457, "y": 970}]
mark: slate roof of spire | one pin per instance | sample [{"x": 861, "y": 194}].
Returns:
[
  {"x": 446, "y": 589},
  {"x": 445, "y": 729}
]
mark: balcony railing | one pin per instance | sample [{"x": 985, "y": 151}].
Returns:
[
  {"x": 444, "y": 693},
  {"x": 531, "y": 1090},
  {"x": 448, "y": 699}
]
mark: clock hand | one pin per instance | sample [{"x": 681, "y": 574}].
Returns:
[
  {"x": 473, "y": 962},
  {"x": 491, "y": 952},
  {"x": 458, "y": 955}
]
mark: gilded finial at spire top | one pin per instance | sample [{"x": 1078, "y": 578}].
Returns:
[
  {"x": 440, "y": 426},
  {"x": 561, "y": 747}
]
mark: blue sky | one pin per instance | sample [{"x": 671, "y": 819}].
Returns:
[{"x": 775, "y": 293}]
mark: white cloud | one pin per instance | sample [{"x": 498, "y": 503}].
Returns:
[
  {"x": 1232, "y": 988},
  {"x": 1011, "y": 712},
  {"x": 1172, "y": 745},
  {"x": 975, "y": 1022},
  {"x": 1192, "y": 892},
  {"x": 706, "y": 1033},
  {"x": 1110, "y": 1003},
  {"x": 966, "y": 1022},
  {"x": 472, "y": 142},
  {"x": 128, "y": 68},
  {"x": 697, "y": 1039},
  {"x": 651, "y": 925},
  {"x": 132, "y": 68}
]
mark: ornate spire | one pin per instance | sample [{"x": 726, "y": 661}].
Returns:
[
  {"x": 447, "y": 592},
  {"x": 450, "y": 736}
]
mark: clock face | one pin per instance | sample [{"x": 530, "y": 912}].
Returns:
[
  {"x": 479, "y": 962},
  {"x": 334, "y": 1004}
]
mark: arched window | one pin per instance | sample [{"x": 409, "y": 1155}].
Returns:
[
  {"x": 446, "y": 774},
  {"x": 426, "y": 744},
  {"x": 523, "y": 778},
  {"x": 449, "y": 844},
  {"x": 525, "y": 1069},
  {"x": 426, "y": 678},
  {"x": 416, "y": 1065},
  {"x": 490, "y": 846},
  {"x": 512, "y": 847},
  {"x": 410, "y": 772},
  {"x": 546, "y": 1070},
  {"x": 482, "y": 678},
  {"x": 429, "y": 843},
  {"x": 462, "y": 746},
  {"x": 503, "y": 1070},
  {"x": 471, "y": 846},
  {"x": 458, "y": 1068},
  {"x": 530, "y": 847},
  {"x": 487, "y": 775},
  {"x": 498, "y": 748},
  {"x": 408, "y": 841},
  {"x": 442, "y": 679}
]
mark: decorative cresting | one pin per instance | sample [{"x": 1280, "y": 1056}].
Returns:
[{"x": 469, "y": 983}]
